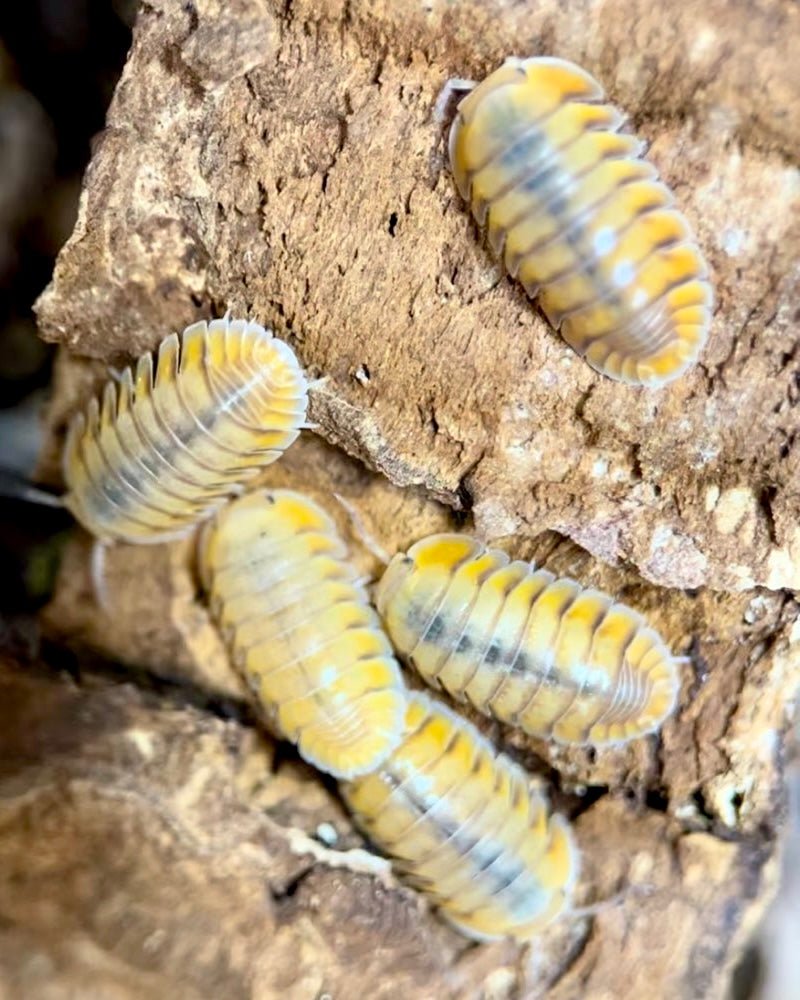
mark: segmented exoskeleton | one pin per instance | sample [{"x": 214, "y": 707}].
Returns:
[
  {"x": 581, "y": 219},
  {"x": 161, "y": 453},
  {"x": 300, "y": 627},
  {"x": 462, "y": 825},
  {"x": 560, "y": 661}
]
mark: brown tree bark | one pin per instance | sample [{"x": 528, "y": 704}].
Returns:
[{"x": 282, "y": 160}]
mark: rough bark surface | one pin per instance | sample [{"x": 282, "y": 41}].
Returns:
[{"x": 282, "y": 160}]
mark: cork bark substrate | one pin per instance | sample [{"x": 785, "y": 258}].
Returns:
[{"x": 282, "y": 160}]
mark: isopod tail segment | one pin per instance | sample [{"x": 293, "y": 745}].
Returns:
[
  {"x": 580, "y": 219},
  {"x": 300, "y": 628},
  {"x": 555, "y": 659},
  {"x": 462, "y": 825}
]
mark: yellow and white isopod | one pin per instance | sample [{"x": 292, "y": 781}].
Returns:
[
  {"x": 462, "y": 825},
  {"x": 556, "y": 659},
  {"x": 582, "y": 220},
  {"x": 300, "y": 627},
  {"x": 160, "y": 454}
]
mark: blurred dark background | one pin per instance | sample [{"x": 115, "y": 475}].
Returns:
[{"x": 59, "y": 63}]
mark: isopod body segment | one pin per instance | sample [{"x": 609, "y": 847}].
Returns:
[
  {"x": 581, "y": 219},
  {"x": 299, "y": 626},
  {"x": 558, "y": 660},
  {"x": 462, "y": 825},
  {"x": 164, "y": 449}
]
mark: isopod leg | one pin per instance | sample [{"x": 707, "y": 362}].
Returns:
[
  {"x": 17, "y": 488},
  {"x": 97, "y": 565},
  {"x": 367, "y": 540},
  {"x": 603, "y": 905},
  {"x": 455, "y": 85}
]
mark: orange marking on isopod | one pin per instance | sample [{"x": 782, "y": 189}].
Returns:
[
  {"x": 299, "y": 626},
  {"x": 556, "y": 659},
  {"x": 463, "y": 826},
  {"x": 165, "y": 449},
  {"x": 581, "y": 219}
]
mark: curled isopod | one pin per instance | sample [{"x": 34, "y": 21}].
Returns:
[
  {"x": 582, "y": 220},
  {"x": 300, "y": 628},
  {"x": 462, "y": 825},
  {"x": 556, "y": 659},
  {"x": 160, "y": 454}
]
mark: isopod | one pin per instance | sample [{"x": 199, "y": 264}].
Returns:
[
  {"x": 581, "y": 219},
  {"x": 462, "y": 825},
  {"x": 300, "y": 628},
  {"x": 159, "y": 454},
  {"x": 558, "y": 660}
]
